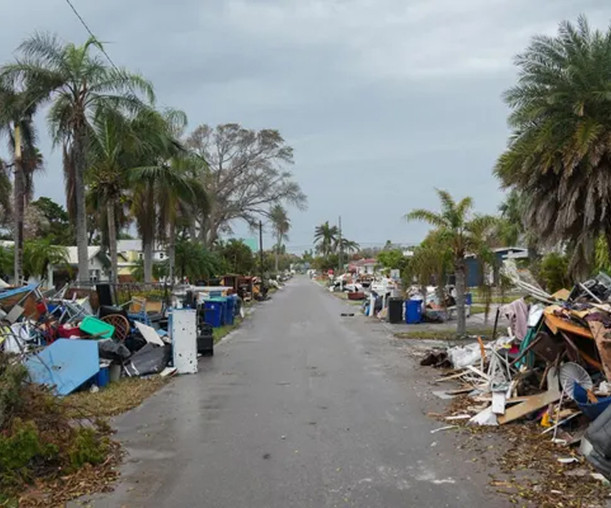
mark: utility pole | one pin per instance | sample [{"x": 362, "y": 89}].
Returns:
[
  {"x": 341, "y": 247},
  {"x": 261, "y": 249}
]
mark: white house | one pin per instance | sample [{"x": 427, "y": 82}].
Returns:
[
  {"x": 363, "y": 266},
  {"x": 99, "y": 264}
]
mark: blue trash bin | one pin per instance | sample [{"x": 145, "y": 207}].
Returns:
[
  {"x": 102, "y": 378},
  {"x": 229, "y": 310},
  {"x": 213, "y": 313},
  {"x": 222, "y": 300},
  {"x": 413, "y": 311}
]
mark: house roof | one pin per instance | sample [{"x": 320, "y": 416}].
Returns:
[
  {"x": 72, "y": 251},
  {"x": 135, "y": 244},
  {"x": 127, "y": 245}
]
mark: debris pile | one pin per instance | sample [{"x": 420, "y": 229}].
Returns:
[
  {"x": 66, "y": 345},
  {"x": 553, "y": 367}
]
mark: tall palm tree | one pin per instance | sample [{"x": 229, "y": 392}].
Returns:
[
  {"x": 346, "y": 245},
  {"x": 281, "y": 225},
  {"x": 17, "y": 109},
  {"x": 152, "y": 180},
  {"x": 78, "y": 83},
  {"x": 325, "y": 237},
  {"x": 432, "y": 259},
  {"x": 180, "y": 191},
  {"x": 39, "y": 254},
  {"x": 110, "y": 141},
  {"x": 559, "y": 154},
  {"x": 458, "y": 228}
]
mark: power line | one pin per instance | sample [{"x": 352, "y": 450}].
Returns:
[{"x": 80, "y": 18}]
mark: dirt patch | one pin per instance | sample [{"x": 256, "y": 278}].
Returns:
[
  {"x": 116, "y": 398},
  {"x": 56, "y": 492},
  {"x": 444, "y": 334},
  {"x": 524, "y": 464}
]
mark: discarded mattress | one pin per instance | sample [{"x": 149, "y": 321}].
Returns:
[{"x": 64, "y": 365}]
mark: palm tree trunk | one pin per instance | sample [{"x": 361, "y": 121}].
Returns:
[
  {"x": 148, "y": 234},
  {"x": 81, "y": 212},
  {"x": 112, "y": 241},
  {"x": 192, "y": 230},
  {"x": 147, "y": 247},
  {"x": 439, "y": 290},
  {"x": 277, "y": 255},
  {"x": 18, "y": 190},
  {"x": 461, "y": 275},
  {"x": 172, "y": 252}
]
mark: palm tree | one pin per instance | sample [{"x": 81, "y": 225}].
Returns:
[
  {"x": 17, "y": 109},
  {"x": 457, "y": 227},
  {"x": 484, "y": 232},
  {"x": 109, "y": 142},
  {"x": 281, "y": 225},
  {"x": 511, "y": 228},
  {"x": 152, "y": 181},
  {"x": 346, "y": 245},
  {"x": 180, "y": 192},
  {"x": 559, "y": 155},
  {"x": 325, "y": 237},
  {"x": 78, "y": 83},
  {"x": 431, "y": 260},
  {"x": 5, "y": 193},
  {"x": 39, "y": 254}
]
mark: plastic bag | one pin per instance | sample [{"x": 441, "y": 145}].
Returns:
[
  {"x": 112, "y": 350},
  {"x": 151, "y": 359}
]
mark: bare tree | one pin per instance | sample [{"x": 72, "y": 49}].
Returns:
[{"x": 246, "y": 174}]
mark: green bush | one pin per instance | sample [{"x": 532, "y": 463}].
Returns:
[
  {"x": 12, "y": 377},
  {"x": 554, "y": 272},
  {"x": 87, "y": 448},
  {"x": 38, "y": 438},
  {"x": 20, "y": 452}
]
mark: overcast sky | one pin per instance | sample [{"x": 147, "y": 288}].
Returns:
[{"x": 383, "y": 100}]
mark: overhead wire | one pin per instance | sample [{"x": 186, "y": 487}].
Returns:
[{"x": 84, "y": 23}]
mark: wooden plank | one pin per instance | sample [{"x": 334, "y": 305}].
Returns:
[
  {"x": 481, "y": 374},
  {"x": 460, "y": 391},
  {"x": 561, "y": 294},
  {"x": 603, "y": 344},
  {"x": 595, "y": 363},
  {"x": 533, "y": 403},
  {"x": 555, "y": 323},
  {"x": 453, "y": 376}
]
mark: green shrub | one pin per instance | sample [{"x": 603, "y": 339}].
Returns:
[
  {"x": 38, "y": 438},
  {"x": 12, "y": 377},
  {"x": 87, "y": 448},
  {"x": 20, "y": 452},
  {"x": 554, "y": 272}
]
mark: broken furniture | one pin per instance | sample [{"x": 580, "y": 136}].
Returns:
[{"x": 64, "y": 365}]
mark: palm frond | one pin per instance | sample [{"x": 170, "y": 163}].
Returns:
[{"x": 432, "y": 218}]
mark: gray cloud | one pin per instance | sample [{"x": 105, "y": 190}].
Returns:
[{"x": 383, "y": 100}]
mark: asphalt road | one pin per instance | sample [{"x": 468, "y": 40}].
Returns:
[{"x": 301, "y": 407}]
